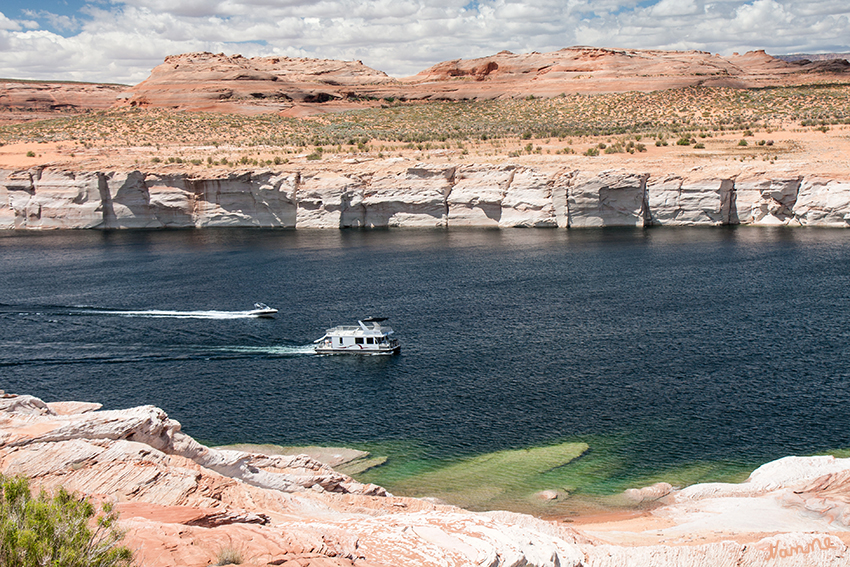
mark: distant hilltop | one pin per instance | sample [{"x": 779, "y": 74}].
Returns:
[
  {"x": 300, "y": 86},
  {"x": 813, "y": 56}
]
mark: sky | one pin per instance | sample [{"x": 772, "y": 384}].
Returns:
[{"x": 122, "y": 40}]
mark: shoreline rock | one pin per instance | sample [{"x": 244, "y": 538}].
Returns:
[
  {"x": 421, "y": 196},
  {"x": 181, "y": 503}
]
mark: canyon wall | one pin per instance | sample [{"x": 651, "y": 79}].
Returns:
[{"x": 421, "y": 195}]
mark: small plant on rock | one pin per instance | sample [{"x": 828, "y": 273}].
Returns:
[{"x": 229, "y": 556}]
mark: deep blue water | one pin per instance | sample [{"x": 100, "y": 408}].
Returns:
[{"x": 691, "y": 345}]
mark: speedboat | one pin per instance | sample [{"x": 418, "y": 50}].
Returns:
[
  {"x": 262, "y": 310},
  {"x": 367, "y": 337}
]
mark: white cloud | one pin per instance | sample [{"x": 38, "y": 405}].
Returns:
[
  {"x": 7, "y": 24},
  {"x": 666, "y": 8},
  {"x": 122, "y": 40}
]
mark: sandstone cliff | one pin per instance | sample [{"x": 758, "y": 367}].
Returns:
[
  {"x": 182, "y": 503},
  {"x": 302, "y": 86},
  {"x": 218, "y": 82},
  {"x": 31, "y": 100},
  {"x": 422, "y": 195}
]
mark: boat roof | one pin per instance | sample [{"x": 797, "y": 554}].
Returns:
[
  {"x": 354, "y": 330},
  {"x": 362, "y": 329}
]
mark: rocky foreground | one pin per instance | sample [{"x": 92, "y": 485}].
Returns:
[
  {"x": 182, "y": 504},
  {"x": 398, "y": 193}
]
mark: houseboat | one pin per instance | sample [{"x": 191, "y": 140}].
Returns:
[{"x": 367, "y": 337}]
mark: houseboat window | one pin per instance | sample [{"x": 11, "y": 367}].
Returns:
[
  {"x": 370, "y": 340},
  {"x": 358, "y": 340},
  {"x": 340, "y": 341}
]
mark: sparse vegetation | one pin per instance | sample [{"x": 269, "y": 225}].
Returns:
[
  {"x": 61, "y": 531},
  {"x": 525, "y": 126},
  {"x": 229, "y": 556}
]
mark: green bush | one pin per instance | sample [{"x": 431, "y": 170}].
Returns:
[
  {"x": 59, "y": 531},
  {"x": 742, "y": 143}
]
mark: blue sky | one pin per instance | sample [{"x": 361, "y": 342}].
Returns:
[
  {"x": 122, "y": 40},
  {"x": 41, "y": 11}
]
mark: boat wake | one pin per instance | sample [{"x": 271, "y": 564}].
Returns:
[
  {"x": 269, "y": 350},
  {"x": 111, "y": 353},
  {"x": 260, "y": 310},
  {"x": 159, "y": 314}
]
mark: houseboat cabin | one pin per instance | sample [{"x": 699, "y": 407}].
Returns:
[{"x": 367, "y": 337}]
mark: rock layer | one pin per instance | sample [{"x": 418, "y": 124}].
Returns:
[
  {"x": 218, "y": 82},
  {"x": 301, "y": 86},
  {"x": 422, "y": 195}
]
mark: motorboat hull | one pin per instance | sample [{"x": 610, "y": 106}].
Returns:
[{"x": 267, "y": 313}]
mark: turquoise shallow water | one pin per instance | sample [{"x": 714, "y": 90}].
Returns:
[{"x": 677, "y": 354}]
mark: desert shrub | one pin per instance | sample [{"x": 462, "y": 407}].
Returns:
[
  {"x": 30, "y": 153},
  {"x": 699, "y": 146},
  {"x": 229, "y": 556},
  {"x": 59, "y": 531},
  {"x": 683, "y": 141},
  {"x": 742, "y": 143},
  {"x": 592, "y": 152}
]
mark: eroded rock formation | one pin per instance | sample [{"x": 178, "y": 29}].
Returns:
[
  {"x": 302, "y": 86},
  {"x": 421, "y": 195},
  {"x": 47, "y": 96},
  {"x": 182, "y": 504},
  {"x": 204, "y": 81},
  {"x": 232, "y": 83}
]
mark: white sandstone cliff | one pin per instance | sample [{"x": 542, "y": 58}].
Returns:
[{"x": 422, "y": 195}]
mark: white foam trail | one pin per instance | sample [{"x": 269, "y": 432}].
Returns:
[
  {"x": 153, "y": 313},
  {"x": 284, "y": 350}
]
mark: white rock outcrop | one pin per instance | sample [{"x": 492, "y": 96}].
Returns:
[
  {"x": 181, "y": 502},
  {"x": 422, "y": 195}
]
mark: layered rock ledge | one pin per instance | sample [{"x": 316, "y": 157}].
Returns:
[
  {"x": 393, "y": 193},
  {"x": 182, "y": 503}
]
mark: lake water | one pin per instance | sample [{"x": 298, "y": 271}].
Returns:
[{"x": 685, "y": 355}]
